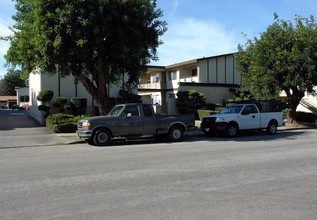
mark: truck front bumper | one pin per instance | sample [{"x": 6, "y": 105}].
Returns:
[
  {"x": 213, "y": 127},
  {"x": 84, "y": 134}
]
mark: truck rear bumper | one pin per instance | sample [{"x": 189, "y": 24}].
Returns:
[{"x": 84, "y": 134}]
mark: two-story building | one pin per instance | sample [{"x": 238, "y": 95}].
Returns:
[{"x": 212, "y": 76}]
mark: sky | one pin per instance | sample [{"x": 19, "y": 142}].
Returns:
[{"x": 199, "y": 28}]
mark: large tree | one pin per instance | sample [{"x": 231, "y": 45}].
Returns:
[
  {"x": 11, "y": 80},
  {"x": 96, "y": 41},
  {"x": 283, "y": 58}
]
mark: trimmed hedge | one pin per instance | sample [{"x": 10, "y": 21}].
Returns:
[
  {"x": 62, "y": 123},
  {"x": 203, "y": 113},
  {"x": 79, "y": 105}
]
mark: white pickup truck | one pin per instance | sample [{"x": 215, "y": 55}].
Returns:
[{"x": 242, "y": 117}]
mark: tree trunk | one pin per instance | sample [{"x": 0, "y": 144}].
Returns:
[
  {"x": 98, "y": 91},
  {"x": 294, "y": 99}
]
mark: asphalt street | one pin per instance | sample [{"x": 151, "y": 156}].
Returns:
[{"x": 249, "y": 177}]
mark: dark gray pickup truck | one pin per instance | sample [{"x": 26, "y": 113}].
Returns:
[{"x": 133, "y": 120}]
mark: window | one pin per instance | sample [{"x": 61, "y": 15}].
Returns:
[
  {"x": 147, "y": 110},
  {"x": 249, "y": 109},
  {"x": 156, "y": 78},
  {"x": 172, "y": 75},
  {"x": 133, "y": 109},
  {"x": 194, "y": 72}
]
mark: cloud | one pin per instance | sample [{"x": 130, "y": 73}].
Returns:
[{"x": 191, "y": 38}]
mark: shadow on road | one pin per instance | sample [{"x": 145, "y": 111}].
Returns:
[{"x": 244, "y": 137}]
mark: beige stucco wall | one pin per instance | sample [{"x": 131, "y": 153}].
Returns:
[
  {"x": 218, "y": 70},
  {"x": 213, "y": 94},
  {"x": 38, "y": 82},
  {"x": 22, "y": 92}
]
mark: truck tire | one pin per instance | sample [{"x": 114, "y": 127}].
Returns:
[
  {"x": 102, "y": 137},
  {"x": 176, "y": 133},
  {"x": 271, "y": 128},
  {"x": 232, "y": 130}
]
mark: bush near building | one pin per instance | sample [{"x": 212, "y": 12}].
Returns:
[{"x": 62, "y": 123}]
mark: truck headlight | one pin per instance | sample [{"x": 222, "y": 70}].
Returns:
[
  {"x": 86, "y": 124},
  {"x": 220, "y": 119}
]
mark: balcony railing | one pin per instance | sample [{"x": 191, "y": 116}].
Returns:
[{"x": 150, "y": 86}]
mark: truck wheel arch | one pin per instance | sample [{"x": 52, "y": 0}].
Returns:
[
  {"x": 176, "y": 132},
  {"x": 272, "y": 127},
  {"x": 232, "y": 129},
  {"x": 106, "y": 132}
]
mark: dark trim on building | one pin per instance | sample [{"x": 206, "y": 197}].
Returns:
[
  {"x": 207, "y": 58},
  {"x": 210, "y": 84},
  {"x": 225, "y": 69}
]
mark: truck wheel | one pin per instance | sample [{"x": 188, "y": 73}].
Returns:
[
  {"x": 232, "y": 130},
  {"x": 176, "y": 133},
  {"x": 271, "y": 128},
  {"x": 102, "y": 137}
]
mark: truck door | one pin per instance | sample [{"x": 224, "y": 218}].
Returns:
[
  {"x": 130, "y": 122},
  {"x": 250, "y": 118},
  {"x": 149, "y": 119}
]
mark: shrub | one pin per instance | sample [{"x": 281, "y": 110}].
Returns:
[
  {"x": 45, "y": 95},
  {"x": 62, "y": 123},
  {"x": 44, "y": 108},
  {"x": 305, "y": 117},
  {"x": 203, "y": 113},
  {"x": 188, "y": 102},
  {"x": 79, "y": 105},
  {"x": 61, "y": 100},
  {"x": 67, "y": 107}
]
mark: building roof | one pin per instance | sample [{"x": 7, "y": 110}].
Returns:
[{"x": 8, "y": 98}]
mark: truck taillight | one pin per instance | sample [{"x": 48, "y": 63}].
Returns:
[{"x": 283, "y": 116}]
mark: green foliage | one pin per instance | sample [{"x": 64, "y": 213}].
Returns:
[
  {"x": 62, "y": 123},
  {"x": 87, "y": 39},
  {"x": 305, "y": 117},
  {"x": 59, "y": 104},
  {"x": 203, "y": 113},
  {"x": 61, "y": 100},
  {"x": 189, "y": 101},
  {"x": 282, "y": 58},
  {"x": 79, "y": 105},
  {"x": 44, "y": 108},
  {"x": 10, "y": 81},
  {"x": 129, "y": 97},
  {"x": 45, "y": 95}
]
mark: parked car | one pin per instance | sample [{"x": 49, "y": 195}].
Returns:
[
  {"x": 242, "y": 117},
  {"x": 133, "y": 120},
  {"x": 4, "y": 106},
  {"x": 24, "y": 107},
  {"x": 15, "y": 106}
]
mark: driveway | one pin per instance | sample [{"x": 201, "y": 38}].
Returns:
[{"x": 18, "y": 129}]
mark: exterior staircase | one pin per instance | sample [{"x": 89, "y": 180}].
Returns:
[{"x": 310, "y": 102}]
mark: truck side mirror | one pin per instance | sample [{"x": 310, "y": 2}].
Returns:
[{"x": 129, "y": 115}]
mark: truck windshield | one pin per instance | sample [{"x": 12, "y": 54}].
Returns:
[
  {"x": 115, "y": 111},
  {"x": 233, "y": 109}
]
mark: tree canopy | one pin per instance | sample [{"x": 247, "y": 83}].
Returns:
[
  {"x": 283, "y": 58},
  {"x": 95, "y": 41},
  {"x": 11, "y": 80}
]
